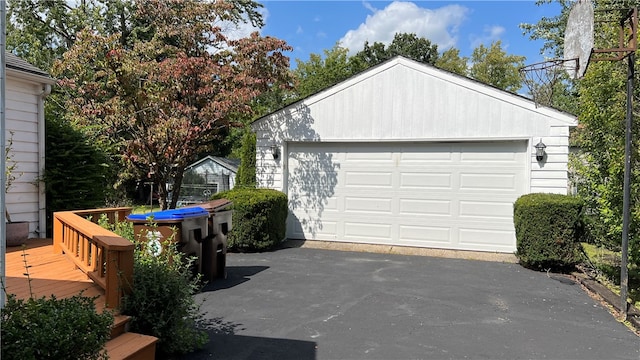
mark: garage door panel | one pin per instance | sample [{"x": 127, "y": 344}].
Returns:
[
  {"x": 484, "y": 157},
  {"x": 422, "y": 207},
  {"x": 367, "y": 230},
  {"x": 313, "y": 205},
  {"x": 311, "y": 229},
  {"x": 446, "y": 195},
  {"x": 367, "y": 205},
  {"x": 426, "y": 180},
  {"x": 485, "y": 239},
  {"x": 494, "y": 182},
  {"x": 485, "y": 209},
  {"x": 418, "y": 151},
  {"x": 420, "y": 234},
  {"x": 368, "y": 179},
  {"x": 370, "y": 155}
]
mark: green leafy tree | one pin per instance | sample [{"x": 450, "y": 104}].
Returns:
[
  {"x": 403, "y": 44},
  {"x": 320, "y": 72},
  {"x": 600, "y": 164},
  {"x": 164, "y": 100},
  {"x": 450, "y": 60},
  {"x": 598, "y": 100},
  {"x": 492, "y": 65},
  {"x": 246, "y": 176},
  {"x": 550, "y": 29},
  {"x": 41, "y": 31}
]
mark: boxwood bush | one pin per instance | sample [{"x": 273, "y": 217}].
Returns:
[
  {"x": 259, "y": 218},
  {"x": 548, "y": 229}
]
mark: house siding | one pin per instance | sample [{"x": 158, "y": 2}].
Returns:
[
  {"x": 23, "y": 199},
  {"x": 406, "y": 101}
]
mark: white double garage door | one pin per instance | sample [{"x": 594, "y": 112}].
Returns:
[{"x": 456, "y": 195}]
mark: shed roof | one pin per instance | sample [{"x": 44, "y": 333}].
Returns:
[{"x": 231, "y": 164}]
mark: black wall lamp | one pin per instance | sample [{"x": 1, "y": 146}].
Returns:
[
  {"x": 540, "y": 146},
  {"x": 275, "y": 151}
]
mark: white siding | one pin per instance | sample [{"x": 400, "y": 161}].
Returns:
[
  {"x": 22, "y": 200},
  {"x": 402, "y": 100}
]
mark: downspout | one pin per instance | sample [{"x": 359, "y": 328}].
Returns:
[{"x": 42, "y": 195}]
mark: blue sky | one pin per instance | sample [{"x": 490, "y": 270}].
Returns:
[{"x": 313, "y": 26}]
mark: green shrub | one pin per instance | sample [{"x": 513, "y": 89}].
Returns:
[
  {"x": 246, "y": 176},
  {"x": 259, "y": 218},
  {"x": 78, "y": 173},
  {"x": 548, "y": 228},
  {"x": 51, "y": 328},
  {"x": 161, "y": 303}
]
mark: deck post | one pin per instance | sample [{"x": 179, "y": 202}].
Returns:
[{"x": 58, "y": 234}]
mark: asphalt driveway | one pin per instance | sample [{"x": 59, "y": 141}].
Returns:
[{"x": 302, "y": 303}]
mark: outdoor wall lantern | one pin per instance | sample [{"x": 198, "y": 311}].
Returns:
[
  {"x": 275, "y": 151},
  {"x": 540, "y": 146}
]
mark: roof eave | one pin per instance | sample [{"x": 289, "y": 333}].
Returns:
[{"x": 29, "y": 76}]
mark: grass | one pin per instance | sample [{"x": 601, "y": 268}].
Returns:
[
  {"x": 606, "y": 264},
  {"x": 141, "y": 209}
]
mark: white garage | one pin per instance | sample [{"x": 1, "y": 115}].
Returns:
[{"x": 406, "y": 154}]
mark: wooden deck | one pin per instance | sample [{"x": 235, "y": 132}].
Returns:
[
  {"x": 56, "y": 274},
  {"x": 50, "y": 273}
]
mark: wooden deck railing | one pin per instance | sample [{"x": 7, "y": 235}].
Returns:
[{"x": 104, "y": 256}]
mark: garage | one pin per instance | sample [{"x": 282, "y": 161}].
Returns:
[
  {"x": 406, "y": 154},
  {"x": 447, "y": 195}
]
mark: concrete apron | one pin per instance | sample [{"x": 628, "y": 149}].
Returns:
[{"x": 403, "y": 250}]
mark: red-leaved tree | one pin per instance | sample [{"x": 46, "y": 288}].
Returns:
[{"x": 171, "y": 89}]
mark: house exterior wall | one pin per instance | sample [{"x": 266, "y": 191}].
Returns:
[
  {"x": 402, "y": 100},
  {"x": 25, "y": 199}
]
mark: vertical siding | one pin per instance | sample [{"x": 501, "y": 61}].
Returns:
[
  {"x": 552, "y": 175},
  {"x": 22, "y": 120},
  {"x": 405, "y": 101}
]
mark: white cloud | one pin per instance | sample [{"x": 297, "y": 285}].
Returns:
[
  {"x": 489, "y": 35},
  {"x": 368, "y": 6},
  {"x": 440, "y": 26}
]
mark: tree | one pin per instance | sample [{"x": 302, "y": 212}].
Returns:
[
  {"x": 403, "y": 44},
  {"x": 163, "y": 99},
  {"x": 600, "y": 137},
  {"x": 246, "y": 176},
  {"x": 599, "y": 101},
  {"x": 41, "y": 31},
  {"x": 318, "y": 73},
  {"x": 450, "y": 60},
  {"x": 493, "y": 66},
  {"x": 550, "y": 29}
]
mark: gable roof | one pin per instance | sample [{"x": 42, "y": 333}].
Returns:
[
  {"x": 433, "y": 72},
  {"x": 231, "y": 164},
  {"x": 19, "y": 65}
]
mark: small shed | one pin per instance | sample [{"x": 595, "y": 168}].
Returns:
[
  {"x": 26, "y": 90},
  {"x": 207, "y": 176},
  {"x": 408, "y": 154}
]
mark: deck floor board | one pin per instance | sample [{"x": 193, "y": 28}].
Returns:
[{"x": 51, "y": 274}]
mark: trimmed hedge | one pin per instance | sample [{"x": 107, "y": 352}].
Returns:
[
  {"x": 259, "y": 218},
  {"x": 548, "y": 229}
]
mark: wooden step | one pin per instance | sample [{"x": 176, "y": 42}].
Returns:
[
  {"x": 120, "y": 325},
  {"x": 131, "y": 346}
]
